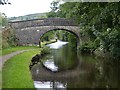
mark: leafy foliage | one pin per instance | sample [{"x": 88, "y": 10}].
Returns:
[
  {"x": 8, "y": 38},
  {"x": 3, "y": 2},
  {"x": 99, "y": 22},
  {"x": 45, "y": 50},
  {"x": 3, "y": 20}
]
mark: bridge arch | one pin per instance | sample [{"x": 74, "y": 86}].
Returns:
[
  {"x": 57, "y": 29},
  {"x": 29, "y": 31}
]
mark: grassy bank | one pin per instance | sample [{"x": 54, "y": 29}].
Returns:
[
  {"x": 13, "y": 49},
  {"x": 16, "y": 72}
]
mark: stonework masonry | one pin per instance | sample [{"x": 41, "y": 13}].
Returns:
[{"x": 29, "y": 32}]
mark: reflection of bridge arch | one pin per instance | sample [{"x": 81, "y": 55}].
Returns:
[{"x": 30, "y": 31}]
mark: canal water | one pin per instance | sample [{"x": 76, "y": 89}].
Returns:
[{"x": 65, "y": 68}]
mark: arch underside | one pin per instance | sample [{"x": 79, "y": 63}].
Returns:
[{"x": 32, "y": 35}]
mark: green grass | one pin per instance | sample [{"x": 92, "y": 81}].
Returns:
[
  {"x": 0, "y": 79},
  {"x": 18, "y": 48},
  {"x": 16, "y": 74}
]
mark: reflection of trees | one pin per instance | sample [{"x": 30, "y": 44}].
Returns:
[
  {"x": 65, "y": 58},
  {"x": 107, "y": 75},
  {"x": 55, "y": 85}
]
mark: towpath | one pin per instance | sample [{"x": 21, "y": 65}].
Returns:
[{"x": 4, "y": 58}]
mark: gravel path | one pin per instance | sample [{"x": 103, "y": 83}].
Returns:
[{"x": 4, "y": 58}]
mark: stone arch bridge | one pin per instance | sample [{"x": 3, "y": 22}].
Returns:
[{"x": 29, "y": 32}]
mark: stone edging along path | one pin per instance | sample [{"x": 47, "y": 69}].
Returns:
[{"x": 4, "y": 58}]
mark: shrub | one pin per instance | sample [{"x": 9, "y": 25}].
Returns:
[
  {"x": 8, "y": 38},
  {"x": 89, "y": 47},
  {"x": 84, "y": 48},
  {"x": 45, "y": 50}
]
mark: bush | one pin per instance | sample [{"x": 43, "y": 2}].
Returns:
[
  {"x": 111, "y": 42},
  {"x": 89, "y": 47},
  {"x": 8, "y": 38},
  {"x": 84, "y": 49},
  {"x": 45, "y": 50}
]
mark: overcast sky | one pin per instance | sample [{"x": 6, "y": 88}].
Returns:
[{"x": 24, "y": 7}]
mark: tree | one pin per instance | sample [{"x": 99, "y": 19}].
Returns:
[
  {"x": 99, "y": 22},
  {"x": 54, "y": 6},
  {"x": 3, "y": 2},
  {"x": 3, "y": 20}
]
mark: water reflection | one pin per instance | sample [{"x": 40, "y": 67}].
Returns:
[
  {"x": 49, "y": 63},
  {"x": 76, "y": 71},
  {"x": 60, "y": 59},
  {"x": 107, "y": 74},
  {"x": 57, "y": 44},
  {"x": 50, "y": 85}
]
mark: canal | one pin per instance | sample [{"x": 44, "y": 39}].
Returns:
[{"x": 65, "y": 68}]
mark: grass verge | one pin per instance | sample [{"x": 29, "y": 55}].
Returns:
[
  {"x": 15, "y": 72},
  {"x": 14, "y": 49}
]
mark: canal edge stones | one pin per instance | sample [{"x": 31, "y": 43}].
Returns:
[{"x": 37, "y": 58}]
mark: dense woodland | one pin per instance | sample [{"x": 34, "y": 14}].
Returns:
[{"x": 99, "y": 24}]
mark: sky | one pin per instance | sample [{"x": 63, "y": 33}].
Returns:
[{"x": 24, "y": 7}]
